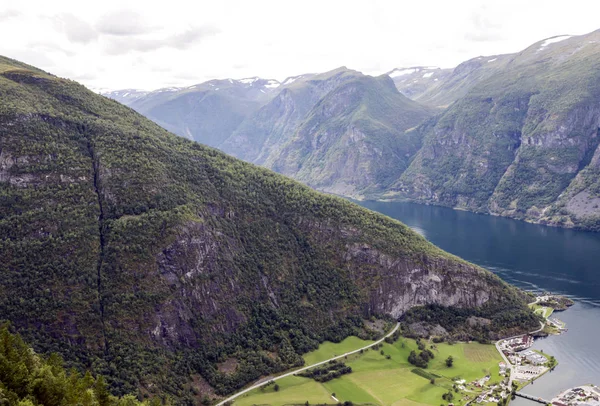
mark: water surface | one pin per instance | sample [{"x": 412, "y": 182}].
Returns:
[{"x": 532, "y": 257}]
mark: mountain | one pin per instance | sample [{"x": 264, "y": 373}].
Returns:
[
  {"x": 263, "y": 133},
  {"x": 353, "y": 141},
  {"x": 125, "y": 96},
  {"x": 177, "y": 271},
  {"x": 513, "y": 135},
  {"x": 207, "y": 112},
  {"x": 522, "y": 142},
  {"x": 339, "y": 131}
]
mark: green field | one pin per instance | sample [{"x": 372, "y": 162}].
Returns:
[
  {"x": 328, "y": 349},
  {"x": 543, "y": 311},
  {"x": 382, "y": 381}
]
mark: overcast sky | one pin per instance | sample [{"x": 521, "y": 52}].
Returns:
[{"x": 151, "y": 44}]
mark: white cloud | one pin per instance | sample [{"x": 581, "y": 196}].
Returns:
[
  {"x": 8, "y": 13},
  {"x": 75, "y": 29},
  {"x": 180, "y": 41},
  {"x": 142, "y": 44},
  {"x": 123, "y": 22}
]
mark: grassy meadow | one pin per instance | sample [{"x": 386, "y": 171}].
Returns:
[{"x": 387, "y": 382}]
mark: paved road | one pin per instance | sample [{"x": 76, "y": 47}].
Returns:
[{"x": 258, "y": 385}]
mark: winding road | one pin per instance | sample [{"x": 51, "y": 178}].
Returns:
[{"x": 258, "y": 385}]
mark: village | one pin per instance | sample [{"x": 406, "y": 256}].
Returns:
[
  {"x": 523, "y": 364},
  {"x": 494, "y": 394},
  {"x": 588, "y": 395}
]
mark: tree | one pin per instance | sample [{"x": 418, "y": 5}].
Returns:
[
  {"x": 276, "y": 388},
  {"x": 449, "y": 361},
  {"x": 101, "y": 392},
  {"x": 432, "y": 381}
]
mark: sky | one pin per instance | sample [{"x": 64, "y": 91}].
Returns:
[{"x": 117, "y": 44}]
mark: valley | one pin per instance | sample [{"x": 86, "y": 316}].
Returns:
[{"x": 370, "y": 229}]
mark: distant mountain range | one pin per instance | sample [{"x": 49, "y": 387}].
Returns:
[{"x": 513, "y": 135}]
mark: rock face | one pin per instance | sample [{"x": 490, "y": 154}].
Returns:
[
  {"x": 401, "y": 285},
  {"x": 153, "y": 259},
  {"x": 522, "y": 142}
]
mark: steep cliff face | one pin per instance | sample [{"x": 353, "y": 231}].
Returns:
[
  {"x": 402, "y": 285},
  {"x": 521, "y": 142},
  {"x": 353, "y": 141},
  {"x": 152, "y": 259}
]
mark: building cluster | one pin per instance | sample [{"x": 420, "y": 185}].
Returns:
[
  {"x": 480, "y": 383},
  {"x": 579, "y": 396},
  {"x": 533, "y": 357},
  {"x": 494, "y": 394},
  {"x": 528, "y": 372},
  {"x": 516, "y": 344},
  {"x": 526, "y": 364}
]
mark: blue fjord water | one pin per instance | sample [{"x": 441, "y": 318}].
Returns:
[{"x": 532, "y": 257}]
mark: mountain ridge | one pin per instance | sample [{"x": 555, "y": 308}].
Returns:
[{"x": 481, "y": 152}]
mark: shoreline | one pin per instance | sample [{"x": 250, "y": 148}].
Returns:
[
  {"x": 526, "y": 347},
  {"x": 577, "y": 394}
]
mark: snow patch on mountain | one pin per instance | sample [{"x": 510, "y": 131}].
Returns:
[
  {"x": 247, "y": 81},
  {"x": 272, "y": 84},
  {"x": 290, "y": 80},
  {"x": 402, "y": 72},
  {"x": 554, "y": 40}
]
